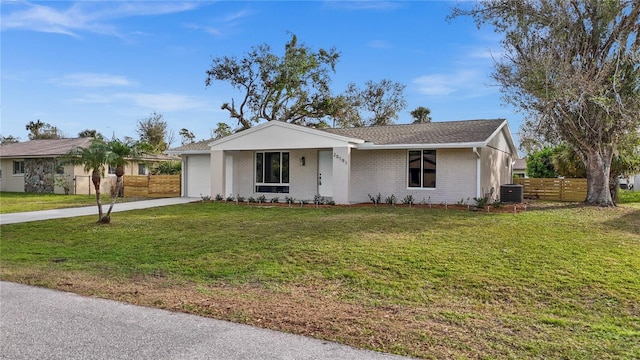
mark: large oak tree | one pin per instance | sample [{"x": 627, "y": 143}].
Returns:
[
  {"x": 573, "y": 67},
  {"x": 295, "y": 87}
]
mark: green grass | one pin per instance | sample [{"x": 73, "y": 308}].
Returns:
[
  {"x": 555, "y": 283},
  {"x": 628, "y": 196},
  {"x": 11, "y": 202}
]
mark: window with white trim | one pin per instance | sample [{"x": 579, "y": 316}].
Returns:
[
  {"x": 18, "y": 167},
  {"x": 421, "y": 169},
  {"x": 272, "y": 172}
]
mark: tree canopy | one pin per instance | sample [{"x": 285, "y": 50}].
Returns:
[
  {"x": 295, "y": 87},
  {"x": 153, "y": 130},
  {"x": 572, "y": 66},
  {"x": 421, "y": 115},
  {"x": 39, "y": 130}
]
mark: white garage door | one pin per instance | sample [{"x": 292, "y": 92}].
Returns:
[{"x": 198, "y": 176}]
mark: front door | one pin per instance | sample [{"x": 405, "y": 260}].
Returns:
[{"x": 325, "y": 173}]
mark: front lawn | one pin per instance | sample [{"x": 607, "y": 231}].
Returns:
[{"x": 555, "y": 283}]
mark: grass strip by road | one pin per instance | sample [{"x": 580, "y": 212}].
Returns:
[{"x": 556, "y": 283}]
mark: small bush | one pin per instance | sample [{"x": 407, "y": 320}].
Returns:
[
  {"x": 289, "y": 200},
  {"x": 391, "y": 200},
  {"x": 251, "y": 199},
  {"x": 275, "y": 200},
  {"x": 319, "y": 200},
  {"x": 240, "y": 198},
  {"x": 481, "y": 202},
  {"x": 408, "y": 200},
  {"x": 262, "y": 199},
  {"x": 375, "y": 199},
  {"x": 219, "y": 197},
  {"x": 230, "y": 198}
]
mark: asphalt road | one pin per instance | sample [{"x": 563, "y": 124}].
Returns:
[{"x": 44, "y": 324}]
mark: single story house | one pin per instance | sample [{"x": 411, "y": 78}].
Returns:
[
  {"x": 437, "y": 162},
  {"x": 33, "y": 166}
]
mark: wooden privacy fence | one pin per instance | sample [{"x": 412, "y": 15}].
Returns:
[
  {"x": 553, "y": 189},
  {"x": 152, "y": 186}
]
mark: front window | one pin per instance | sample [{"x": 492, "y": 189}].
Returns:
[
  {"x": 18, "y": 167},
  {"x": 422, "y": 168},
  {"x": 272, "y": 172},
  {"x": 112, "y": 170},
  {"x": 142, "y": 169}
]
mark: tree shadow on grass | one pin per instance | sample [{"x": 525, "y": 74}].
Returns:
[{"x": 629, "y": 221}]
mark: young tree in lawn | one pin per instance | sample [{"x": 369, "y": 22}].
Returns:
[
  {"x": 572, "y": 67},
  {"x": 94, "y": 159}
]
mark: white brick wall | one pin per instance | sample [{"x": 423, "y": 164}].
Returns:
[{"x": 385, "y": 172}]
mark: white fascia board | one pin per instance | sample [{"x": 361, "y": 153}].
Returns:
[
  {"x": 371, "y": 146},
  {"x": 512, "y": 145},
  {"x": 188, "y": 152}
]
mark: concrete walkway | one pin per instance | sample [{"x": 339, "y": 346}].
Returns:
[
  {"x": 46, "y": 324},
  {"x": 89, "y": 210}
]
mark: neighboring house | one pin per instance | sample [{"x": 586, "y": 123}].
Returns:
[
  {"x": 437, "y": 162},
  {"x": 33, "y": 166},
  {"x": 520, "y": 168}
]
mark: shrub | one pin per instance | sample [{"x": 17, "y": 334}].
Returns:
[
  {"x": 262, "y": 199},
  {"x": 240, "y": 198},
  {"x": 172, "y": 167},
  {"x": 481, "y": 202},
  {"x": 375, "y": 199},
  {"x": 219, "y": 197},
  {"x": 391, "y": 200},
  {"x": 408, "y": 200},
  {"x": 275, "y": 200}
]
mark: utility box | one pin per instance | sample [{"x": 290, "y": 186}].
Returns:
[{"x": 511, "y": 193}]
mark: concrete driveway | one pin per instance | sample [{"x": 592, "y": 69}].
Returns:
[{"x": 45, "y": 324}]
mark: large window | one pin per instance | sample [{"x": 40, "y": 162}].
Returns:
[
  {"x": 18, "y": 167},
  {"x": 422, "y": 168},
  {"x": 272, "y": 172}
]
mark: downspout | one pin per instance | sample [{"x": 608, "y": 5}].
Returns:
[{"x": 478, "y": 172}]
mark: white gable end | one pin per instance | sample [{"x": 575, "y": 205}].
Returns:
[{"x": 276, "y": 135}]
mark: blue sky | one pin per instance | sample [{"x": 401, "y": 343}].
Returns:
[{"x": 107, "y": 65}]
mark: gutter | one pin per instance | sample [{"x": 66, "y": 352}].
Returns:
[{"x": 478, "y": 173}]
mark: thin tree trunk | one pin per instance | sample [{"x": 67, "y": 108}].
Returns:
[
  {"x": 114, "y": 196},
  {"x": 598, "y": 170},
  {"x": 95, "y": 178}
]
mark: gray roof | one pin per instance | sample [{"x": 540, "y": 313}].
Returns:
[
  {"x": 42, "y": 148},
  {"x": 450, "y": 132},
  {"x": 196, "y": 146},
  {"x": 520, "y": 164}
]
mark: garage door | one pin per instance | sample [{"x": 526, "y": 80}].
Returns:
[{"x": 198, "y": 176}]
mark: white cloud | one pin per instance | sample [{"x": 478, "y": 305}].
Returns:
[
  {"x": 86, "y": 16},
  {"x": 162, "y": 102},
  {"x": 92, "y": 80},
  {"x": 464, "y": 83},
  {"x": 380, "y": 44}
]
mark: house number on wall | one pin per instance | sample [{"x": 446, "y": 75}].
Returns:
[{"x": 340, "y": 158}]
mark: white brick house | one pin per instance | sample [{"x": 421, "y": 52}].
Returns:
[{"x": 439, "y": 161}]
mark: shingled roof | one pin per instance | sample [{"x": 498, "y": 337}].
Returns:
[
  {"x": 199, "y": 146},
  {"x": 450, "y": 132},
  {"x": 42, "y": 148}
]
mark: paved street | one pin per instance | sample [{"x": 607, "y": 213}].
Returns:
[{"x": 46, "y": 324}]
